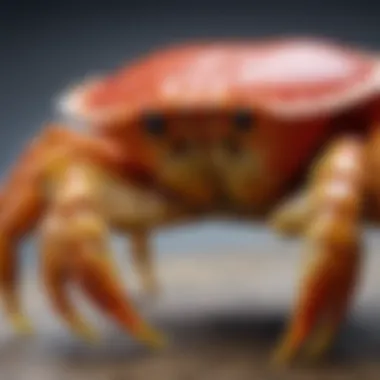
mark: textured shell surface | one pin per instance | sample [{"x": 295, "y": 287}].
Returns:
[{"x": 288, "y": 78}]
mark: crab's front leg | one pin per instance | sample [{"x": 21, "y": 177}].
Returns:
[
  {"x": 333, "y": 243},
  {"x": 55, "y": 186},
  {"x": 76, "y": 246},
  {"x": 19, "y": 213}
]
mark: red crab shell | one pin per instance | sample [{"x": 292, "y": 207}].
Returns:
[{"x": 285, "y": 78}]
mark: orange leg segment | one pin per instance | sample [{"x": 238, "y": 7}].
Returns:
[
  {"x": 20, "y": 211},
  {"x": 83, "y": 230},
  {"x": 57, "y": 186},
  {"x": 143, "y": 261},
  {"x": 336, "y": 190},
  {"x": 293, "y": 215}
]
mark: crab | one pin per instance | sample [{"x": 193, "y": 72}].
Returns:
[{"x": 283, "y": 131}]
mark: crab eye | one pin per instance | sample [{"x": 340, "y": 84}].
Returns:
[
  {"x": 154, "y": 123},
  {"x": 243, "y": 119}
]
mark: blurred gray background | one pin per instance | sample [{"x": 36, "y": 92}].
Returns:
[{"x": 47, "y": 45}]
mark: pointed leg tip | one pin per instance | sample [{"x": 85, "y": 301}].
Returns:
[
  {"x": 21, "y": 325},
  {"x": 313, "y": 356},
  {"x": 277, "y": 362},
  {"x": 85, "y": 331},
  {"x": 89, "y": 335},
  {"x": 317, "y": 351},
  {"x": 152, "y": 338},
  {"x": 281, "y": 359}
]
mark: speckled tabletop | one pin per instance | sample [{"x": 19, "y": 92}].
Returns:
[{"x": 224, "y": 313}]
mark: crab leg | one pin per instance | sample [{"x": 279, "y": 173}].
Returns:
[
  {"x": 56, "y": 276},
  {"x": 21, "y": 205},
  {"x": 22, "y": 202},
  {"x": 374, "y": 167},
  {"x": 19, "y": 213},
  {"x": 142, "y": 256},
  {"x": 333, "y": 237},
  {"x": 52, "y": 181},
  {"x": 82, "y": 229},
  {"x": 293, "y": 215}
]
